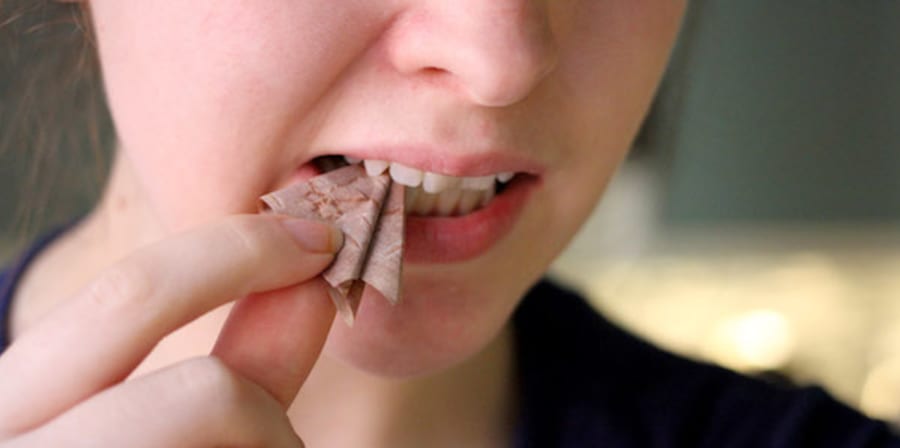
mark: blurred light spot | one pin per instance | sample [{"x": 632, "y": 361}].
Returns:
[
  {"x": 755, "y": 340},
  {"x": 881, "y": 389}
]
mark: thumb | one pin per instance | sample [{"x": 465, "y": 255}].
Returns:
[{"x": 274, "y": 338}]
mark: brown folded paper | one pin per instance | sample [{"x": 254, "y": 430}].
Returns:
[{"x": 369, "y": 210}]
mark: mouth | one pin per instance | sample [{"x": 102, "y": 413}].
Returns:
[
  {"x": 449, "y": 218},
  {"x": 430, "y": 194}
]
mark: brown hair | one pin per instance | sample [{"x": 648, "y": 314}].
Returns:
[{"x": 55, "y": 130}]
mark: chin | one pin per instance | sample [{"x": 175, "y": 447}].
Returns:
[{"x": 436, "y": 326}]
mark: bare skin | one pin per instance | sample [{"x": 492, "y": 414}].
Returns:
[
  {"x": 563, "y": 85},
  {"x": 321, "y": 419}
]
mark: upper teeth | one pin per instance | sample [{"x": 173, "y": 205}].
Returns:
[{"x": 430, "y": 182}]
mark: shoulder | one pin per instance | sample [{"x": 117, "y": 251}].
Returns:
[
  {"x": 587, "y": 381},
  {"x": 10, "y": 276},
  {"x": 7, "y": 286}
]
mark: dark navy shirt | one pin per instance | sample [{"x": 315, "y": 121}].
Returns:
[
  {"x": 584, "y": 382},
  {"x": 588, "y": 383}
]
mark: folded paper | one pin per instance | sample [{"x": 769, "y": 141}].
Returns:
[{"x": 370, "y": 212}]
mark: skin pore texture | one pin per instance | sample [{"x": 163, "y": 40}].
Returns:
[{"x": 218, "y": 102}]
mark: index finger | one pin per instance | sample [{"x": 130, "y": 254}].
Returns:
[{"x": 96, "y": 338}]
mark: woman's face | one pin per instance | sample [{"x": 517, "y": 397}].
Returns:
[{"x": 217, "y": 102}]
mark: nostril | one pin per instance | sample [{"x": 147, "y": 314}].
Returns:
[
  {"x": 433, "y": 74},
  {"x": 434, "y": 71}
]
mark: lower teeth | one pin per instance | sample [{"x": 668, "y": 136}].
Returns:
[{"x": 450, "y": 202}]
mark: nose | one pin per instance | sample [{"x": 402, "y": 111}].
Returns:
[{"x": 495, "y": 52}]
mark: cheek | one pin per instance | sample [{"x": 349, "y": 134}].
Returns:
[
  {"x": 610, "y": 67},
  {"x": 206, "y": 95},
  {"x": 176, "y": 124}
]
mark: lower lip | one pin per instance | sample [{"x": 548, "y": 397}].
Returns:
[{"x": 460, "y": 238}]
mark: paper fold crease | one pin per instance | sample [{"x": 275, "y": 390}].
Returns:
[{"x": 370, "y": 212}]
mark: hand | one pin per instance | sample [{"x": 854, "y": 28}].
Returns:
[{"x": 61, "y": 382}]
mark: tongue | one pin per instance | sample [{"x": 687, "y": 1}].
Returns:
[{"x": 308, "y": 171}]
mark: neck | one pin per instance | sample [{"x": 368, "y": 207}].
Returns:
[
  {"x": 471, "y": 404},
  {"x": 116, "y": 226}
]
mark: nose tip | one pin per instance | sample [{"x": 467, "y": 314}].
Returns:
[{"x": 495, "y": 52}]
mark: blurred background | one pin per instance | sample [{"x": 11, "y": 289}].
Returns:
[{"x": 757, "y": 224}]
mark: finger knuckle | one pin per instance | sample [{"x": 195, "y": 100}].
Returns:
[
  {"x": 214, "y": 382},
  {"x": 122, "y": 287},
  {"x": 247, "y": 234},
  {"x": 235, "y": 408}
]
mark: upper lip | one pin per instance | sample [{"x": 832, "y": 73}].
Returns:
[{"x": 448, "y": 162}]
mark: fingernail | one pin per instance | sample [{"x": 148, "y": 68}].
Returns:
[{"x": 314, "y": 236}]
